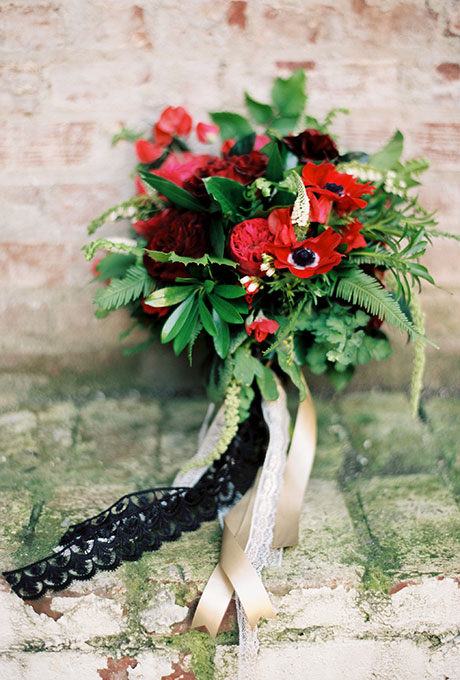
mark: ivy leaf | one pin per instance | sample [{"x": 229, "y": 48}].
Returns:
[
  {"x": 171, "y": 191},
  {"x": 289, "y": 94},
  {"x": 231, "y": 125},
  {"x": 222, "y": 338},
  {"x": 166, "y": 297},
  {"x": 225, "y": 309},
  {"x": 389, "y": 156},
  {"x": 228, "y": 193},
  {"x": 177, "y": 319},
  {"x": 261, "y": 113}
]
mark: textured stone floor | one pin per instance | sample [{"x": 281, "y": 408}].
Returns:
[{"x": 371, "y": 591}]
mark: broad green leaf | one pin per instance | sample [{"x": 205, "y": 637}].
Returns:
[
  {"x": 246, "y": 366},
  {"x": 261, "y": 113},
  {"x": 222, "y": 338},
  {"x": 289, "y": 94},
  {"x": 243, "y": 146},
  {"x": 293, "y": 371},
  {"x": 225, "y": 309},
  {"x": 114, "y": 265},
  {"x": 267, "y": 384},
  {"x": 166, "y": 297},
  {"x": 206, "y": 318},
  {"x": 186, "y": 332},
  {"x": 231, "y": 125},
  {"x": 228, "y": 193},
  {"x": 177, "y": 319},
  {"x": 274, "y": 170},
  {"x": 285, "y": 124},
  {"x": 389, "y": 156},
  {"x": 217, "y": 237},
  {"x": 172, "y": 192},
  {"x": 341, "y": 379},
  {"x": 229, "y": 292}
]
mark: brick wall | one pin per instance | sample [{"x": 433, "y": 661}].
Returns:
[{"x": 73, "y": 71}]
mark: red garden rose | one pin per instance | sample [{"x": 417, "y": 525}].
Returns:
[
  {"x": 248, "y": 240},
  {"x": 243, "y": 169},
  {"x": 326, "y": 187},
  {"x": 173, "y": 121},
  {"x": 312, "y": 145},
  {"x": 181, "y": 232},
  {"x": 305, "y": 258},
  {"x": 262, "y": 326},
  {"x": 351, "y": 235}
]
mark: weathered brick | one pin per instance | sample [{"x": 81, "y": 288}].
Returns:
[
  {"x": 32, "y": 26},
  {"x": 22, "y": 88}
]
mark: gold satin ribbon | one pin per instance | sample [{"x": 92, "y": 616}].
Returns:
[{"x": 235, "y": 573}]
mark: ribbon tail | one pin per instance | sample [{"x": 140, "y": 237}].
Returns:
[{"x": 213, "y": 602}]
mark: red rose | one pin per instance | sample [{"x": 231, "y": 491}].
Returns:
[
  {"x": 326, "y": 187},
  {"x": 173, "y": 121},
  {"x": 306, "y": 258},
  {"x": 181, "y": 232},
  {"x": 248, "y": 240},
  {"x": 312, "y": 145},
  {"x": 243, "y": 169},
  {"x": 262, "y": 326}
]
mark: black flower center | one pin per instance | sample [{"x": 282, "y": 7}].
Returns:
[
  {"x": 335, "y": 188},
  {"x": 303, "y": 257}
]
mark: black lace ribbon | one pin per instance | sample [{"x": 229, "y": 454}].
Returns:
[{"x": 139, "y": 522}]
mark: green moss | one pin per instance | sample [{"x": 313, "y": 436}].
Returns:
[{"x": 202, "y": 648}]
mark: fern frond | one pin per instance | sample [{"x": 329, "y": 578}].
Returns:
[
  {"x": 365, "y": 291},
  {"x": 196, "y": 331},
  {"x": 136, "y": 283}
]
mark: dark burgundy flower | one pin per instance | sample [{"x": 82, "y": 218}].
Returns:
[
  {"x": 312, "y": 145},
  {"x": 243, "y": 169},
  {"x": 248, "y": 241},
  {"x": 181, "y": 232}
]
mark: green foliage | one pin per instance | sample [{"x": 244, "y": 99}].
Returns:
[
  {"x": 231, "y": 125},
  {"x": 366, "y": 292},
  {"x": 135, "y": 284},
  {"x": 171, "y": 191},
  {"x": 127, "y": 135},
  {"x": 124, "y": 246},
  {"x": 275, "y": 171},
  {"x": 228, "y": 194},
  {"x": 289, "y": 94},
  {"x": 389, "y": 156},
  {"x": 204, "y": 261},
  {"x": 243, "y": 146},
  {"x": 263, "y": 114},
  {"x": 114, "y": 265},
  {"x": 140, "y": 207}
]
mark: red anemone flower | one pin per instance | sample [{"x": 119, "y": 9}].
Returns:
[
  {"x": 262, "y": 326},
  {"x": 351, "y": 235},
  {"x": 326, "y": 187},
  {"x": 309, "y": 257}
]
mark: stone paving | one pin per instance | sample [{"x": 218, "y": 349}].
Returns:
[{"x": 371, "y": 591}]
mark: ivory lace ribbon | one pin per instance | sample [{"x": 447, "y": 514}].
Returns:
[{"x": 235, "y": 572}]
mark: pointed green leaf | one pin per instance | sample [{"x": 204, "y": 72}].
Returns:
[
  {"x": 267, "y": 384},
  {"x": 261, "y": 113},
  {"x": 206, "y": 318},
  {"x": 165, "y": 297},
  {"x": 231, "y": 125},
  {"x": 229, "y": 292},
  {"x": 225, "y": 309},
  {"x": 172, "y": 192},
  {"x": 293, "y": 371},
  {"x": 228, "y": 193},
  {"x": 177, "y": 319},
  {"x": 388, "y": 157},
  {"x": 243, "y": 146},
  {"x": 289, "y": 94},
  {"x": 114, "y": 265},
  {"x": 274, "y": 171},
  {"x": 186, "y": 332},
  {"x": 222, "y": 338}
]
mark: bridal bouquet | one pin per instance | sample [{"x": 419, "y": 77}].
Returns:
[{"x": 276, "y": 252}]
